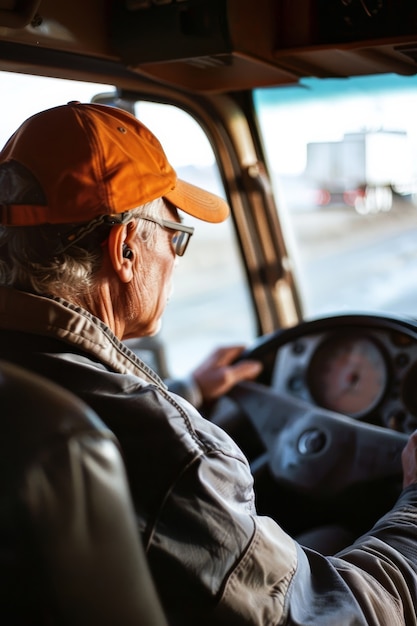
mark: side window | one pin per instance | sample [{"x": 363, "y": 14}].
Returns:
[
  {"x": 210, "y": 304},
  {"x": 23, "y": 95}
]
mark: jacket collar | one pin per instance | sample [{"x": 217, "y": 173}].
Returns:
[{"x": 57, "y": 318}]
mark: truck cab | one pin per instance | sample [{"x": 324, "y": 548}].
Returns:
[{"x": 301, "y": 115}]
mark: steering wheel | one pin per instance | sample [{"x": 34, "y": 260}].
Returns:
[{"x": 309, "y": 448}]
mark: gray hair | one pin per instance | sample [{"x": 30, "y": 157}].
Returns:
[{"x": 29, "y": 261}]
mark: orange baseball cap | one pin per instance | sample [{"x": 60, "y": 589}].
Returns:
[{"x": 75, "y": 162}]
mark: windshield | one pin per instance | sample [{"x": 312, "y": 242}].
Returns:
[{"x": 343, "y": 156}]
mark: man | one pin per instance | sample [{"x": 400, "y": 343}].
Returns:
[{"x": 89, "y": 208}]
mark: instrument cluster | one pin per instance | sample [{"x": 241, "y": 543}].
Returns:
[{"x": 367, "y": 374}]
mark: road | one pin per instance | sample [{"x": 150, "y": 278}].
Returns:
[{"x": 368, "y": 262}]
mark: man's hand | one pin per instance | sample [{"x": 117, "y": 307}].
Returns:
[
  {"x": 409, "y": 461},
  {"x": 217, "y": 375}
]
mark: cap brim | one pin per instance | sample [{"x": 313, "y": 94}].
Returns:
[{"x": 197, "y": 202}]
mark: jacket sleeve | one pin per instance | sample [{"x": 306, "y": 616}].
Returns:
[
  {"x": 372, "y": 583},
  {"x": 385, "y": 561}
]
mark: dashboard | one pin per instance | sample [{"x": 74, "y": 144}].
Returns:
[
  {"x": 325, "y": 423},
  {"x": 364, "y": 374},
  {"x": 361, "y": 366}
]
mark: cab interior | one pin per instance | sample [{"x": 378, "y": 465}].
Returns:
[{"x": 324, "y": 425}]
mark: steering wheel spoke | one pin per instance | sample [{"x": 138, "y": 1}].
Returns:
[{"x": 314, "y": 450}]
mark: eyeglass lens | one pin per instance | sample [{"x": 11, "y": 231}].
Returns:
[{"x": 180, "y": 242}]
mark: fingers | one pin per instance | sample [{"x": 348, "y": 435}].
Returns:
[
  {"x": 225, "y": 355},
  {"x": 218, "y": 374},
  {"x": 244, "y": 370}
]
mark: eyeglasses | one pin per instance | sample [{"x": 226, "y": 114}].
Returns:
[
  {"x": 181, "y": 235},
  {"x": 179, "y": 240}
]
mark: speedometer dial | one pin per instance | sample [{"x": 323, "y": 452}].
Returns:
[{"x": 348, "y": 375}]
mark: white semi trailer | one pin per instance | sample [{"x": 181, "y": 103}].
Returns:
[{"x": 363, "y": 170}]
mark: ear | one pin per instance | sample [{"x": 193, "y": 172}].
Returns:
[{"x": 121, "y": 237}]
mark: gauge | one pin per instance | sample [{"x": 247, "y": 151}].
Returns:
[{"x": 348, "y": 375}]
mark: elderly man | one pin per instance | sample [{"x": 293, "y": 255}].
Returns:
[{"x": 90, "y": 230}]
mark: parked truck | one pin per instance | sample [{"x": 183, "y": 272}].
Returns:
[{"x": 364, "y": 170}]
